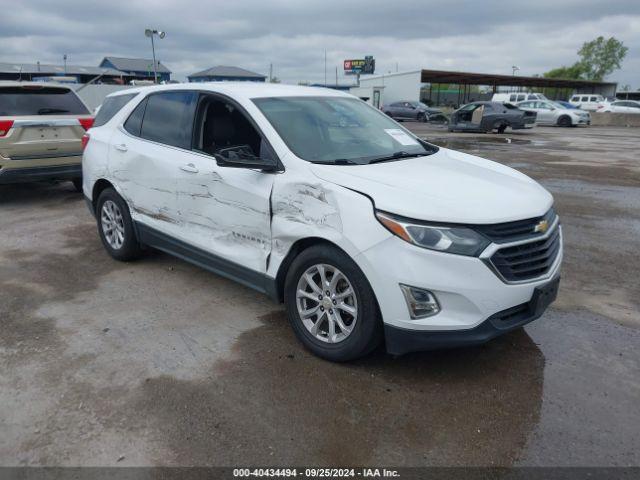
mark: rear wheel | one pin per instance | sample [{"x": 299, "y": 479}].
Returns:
[
  {"x": 331, "y": 306},
  {"x": 422, "y": 117},
  {"x": 115, "y": 226},
  {"x": 77, "y": 184},
  {"x": 564, "y": 121},
  {"x": 499, "y": 126}
]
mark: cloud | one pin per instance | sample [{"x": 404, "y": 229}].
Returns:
[{"x": 488, "y": 36}]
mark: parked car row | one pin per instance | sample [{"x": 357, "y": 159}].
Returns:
[{"x": 406, "y": 110}]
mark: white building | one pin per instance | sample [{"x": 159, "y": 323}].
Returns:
[{"x": 379, "y": 90}]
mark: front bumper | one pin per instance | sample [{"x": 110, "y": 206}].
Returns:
[
  {"x": 469, "y": 291},
  {"x": 400, "y": 341},
  {"x": 35, "y": 174}
]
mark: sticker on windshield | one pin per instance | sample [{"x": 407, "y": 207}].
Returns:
[{"x": 401, "y": 137}]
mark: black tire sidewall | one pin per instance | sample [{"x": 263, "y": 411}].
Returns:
[
  {"x": 368, "y": 330},
  {"x": 130, "y": 248}
]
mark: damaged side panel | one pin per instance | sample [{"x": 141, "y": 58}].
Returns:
[{"x": 318, "y": 209}]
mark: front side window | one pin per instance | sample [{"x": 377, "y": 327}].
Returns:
[
  {"x": 168, "y": 118},
  {"x": 221, "y": 127},
  {"x": 37, "y": 100},
  {"x": 338, "y": 130},
  {"x": 594, "y": 99}
]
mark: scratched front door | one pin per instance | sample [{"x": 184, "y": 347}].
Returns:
[{"x": 226, "y": 211}]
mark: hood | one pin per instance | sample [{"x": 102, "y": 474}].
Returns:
[{"x": 447, "y": 186}]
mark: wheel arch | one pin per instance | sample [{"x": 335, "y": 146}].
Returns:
[
  {"x": 98, "y": 187},
  {"x": 296, "y": 249}
]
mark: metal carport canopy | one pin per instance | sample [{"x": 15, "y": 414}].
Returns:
[{"x": 465, "y": 78}]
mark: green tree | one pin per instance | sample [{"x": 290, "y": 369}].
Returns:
[
  {"x": 598, "y": 58},
  {"x": 601, "y": 56},
  {"x": 574, "y": 72}
]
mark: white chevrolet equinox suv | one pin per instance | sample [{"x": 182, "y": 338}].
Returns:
[{"x": 365, "y": 232}]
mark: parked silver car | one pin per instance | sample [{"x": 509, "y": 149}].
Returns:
[{"x": 552, "y": 113}]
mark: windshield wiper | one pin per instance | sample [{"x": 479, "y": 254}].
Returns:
[
  {"x": 45, "y": 111},
  {"x": 337, "y": 161},
  {"x": 397, "y": 156}
]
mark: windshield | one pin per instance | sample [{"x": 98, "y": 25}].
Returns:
[{"x": 339, "y": 130}]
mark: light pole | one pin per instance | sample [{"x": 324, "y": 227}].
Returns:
[
  {"x": 150, "y": 33},
  {"x": 514, "y": 69},
  {"x": 64, "y": 57}
]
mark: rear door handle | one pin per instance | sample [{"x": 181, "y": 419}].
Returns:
[
  {"x": 189, "y": 167},
  {"x": 121, "y": 147}
]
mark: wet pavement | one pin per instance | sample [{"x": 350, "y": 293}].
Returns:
[{"x": 160, "y": 363}]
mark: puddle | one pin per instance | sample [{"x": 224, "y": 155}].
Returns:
[
  {"x": 470, "y": 406},
  {"x": 477, "y": 143}
]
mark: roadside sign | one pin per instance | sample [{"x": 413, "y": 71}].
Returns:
[{"x": 365, "y": 66}]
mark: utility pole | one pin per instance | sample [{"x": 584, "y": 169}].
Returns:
[
  {"x": 325, "y": 67},
  {"x": 270, "y": 72},
  {"x": 336, "y": 76},
  {"x": 150, "y": 33}
]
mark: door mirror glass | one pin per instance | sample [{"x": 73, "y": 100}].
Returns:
[{"x": 242, "y": 156}]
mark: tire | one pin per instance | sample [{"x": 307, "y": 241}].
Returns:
[
  {"x": 363, "y": 331},
  {"x": 422, "y": 117},
  {"x": 77, "y": 184},
  {"x": 500, "y": 126},
  {"x": 122, "y": 243},
  {"x": 564, "y": 121}
]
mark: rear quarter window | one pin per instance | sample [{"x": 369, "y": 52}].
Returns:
[
  {"x": 110, "y": 107},
  {"x": 36, "y": 100},
  {"x": 133, "y": 125}
]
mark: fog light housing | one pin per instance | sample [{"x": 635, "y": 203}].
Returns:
[{"x": 421, "y": 303}]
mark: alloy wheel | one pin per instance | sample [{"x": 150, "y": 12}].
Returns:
[
  {"x": 112, "y": 224},
  {"x": 327, "y": 303}
]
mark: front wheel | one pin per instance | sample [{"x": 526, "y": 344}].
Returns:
[
  {"x": 564, "y": 121},
  {"x": 331, "y": 306},
  {"x": 115, "y": 226}
]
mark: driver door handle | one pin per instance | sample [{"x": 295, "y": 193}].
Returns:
[
  {"x": 121, "y": 147},
  {"x": 189, "y": 167}
]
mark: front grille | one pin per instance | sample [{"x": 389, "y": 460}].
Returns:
[
  {"x": 529, "y": 260},
  {"x": 518, "y": 230}
]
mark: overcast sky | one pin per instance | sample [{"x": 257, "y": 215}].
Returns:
[{"x": 479, "y": 36}]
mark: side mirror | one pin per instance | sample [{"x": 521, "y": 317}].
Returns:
[{"x": 242, "y": 156}]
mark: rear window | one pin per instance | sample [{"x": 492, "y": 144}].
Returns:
[
  {"x": 110, "y": 107},
  {"x": 168, "y": 118},
  {"x": 40, "y": 101}
]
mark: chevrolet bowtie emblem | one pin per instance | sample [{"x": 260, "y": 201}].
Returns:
[{"x": 541, "y": 227}]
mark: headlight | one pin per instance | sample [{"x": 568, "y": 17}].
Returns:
[{"x": 443, "y": 238}]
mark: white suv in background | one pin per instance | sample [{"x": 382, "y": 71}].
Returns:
[
  {"x": 588, "y": 102},
  {"x": 319, "y": 200}
]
